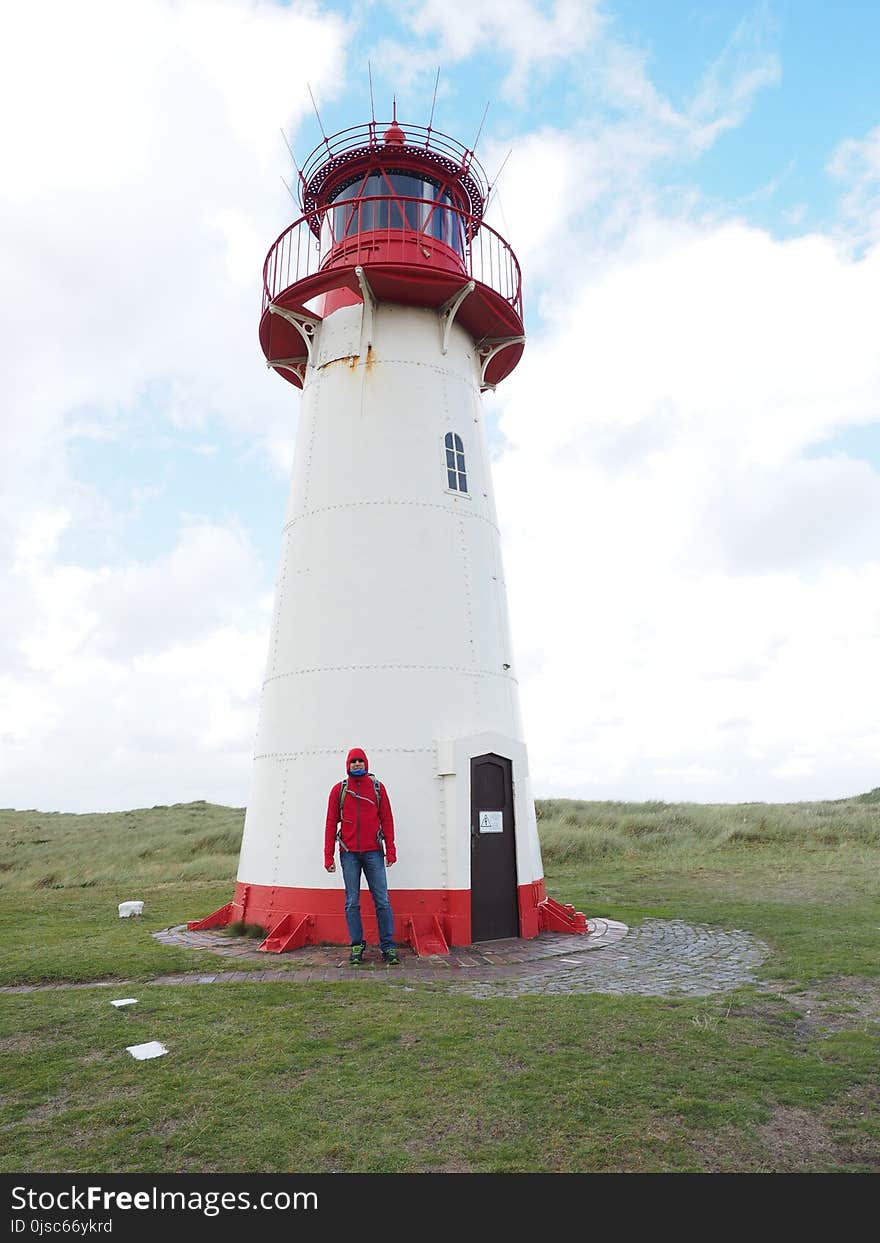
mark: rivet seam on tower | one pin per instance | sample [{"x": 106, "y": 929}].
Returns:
[
  {"x": 313, "y": 431},
  {"x": 447, "y": 508},
  {"x": 295, "y": 755},
  {"x": 280, "y": 591},
  {"x": 468, "y": 672},
  {"x": 277, "y": 858},
  {"x": 397, "y": 362}
]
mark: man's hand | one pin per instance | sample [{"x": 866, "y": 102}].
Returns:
[{"x": 330, "y": 867}]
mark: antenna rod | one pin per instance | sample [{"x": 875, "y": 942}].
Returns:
[
  {"x": 433, "y": 102},
  {"x": 302, "y": 180},
  {"x": 290, "y": 153},
  {"x": 289, "y": 191},
  {"x": 480, "y": 130},
  {"x": 318, "y": 115},
  {"x": 494, "y": 182},
  {"x": 372, "y": 105}
]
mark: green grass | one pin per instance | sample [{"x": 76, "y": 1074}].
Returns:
[
  {"x": 150, "y": 846},
  {"x": 365, "y": 1076},
  {"x": 342, "y": 1077}
]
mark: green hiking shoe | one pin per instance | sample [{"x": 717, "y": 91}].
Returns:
[
  {"x": 390, "y": 957},
  {"x": 357, "y": 954}
]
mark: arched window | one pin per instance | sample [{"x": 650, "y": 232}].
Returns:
[{"x": 455, "y": 472}]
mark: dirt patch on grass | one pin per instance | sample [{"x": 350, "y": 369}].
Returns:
[
  {"x": 93, "y": 1056},
  {"x": 838, "y": 1004},
  {"x": 50, "y": 1109},
  {"x": 22, "y": 1042},
  {"x": 170, "y": 1126},
  {"x": 834, "y": 1138},
  {"x": 775, "y": 1017},
  {"x": 798, "y": 1141},
  {"x": 855, "y": 1121},
  {"x": 815, "y": 1141},
  {"x": 434, "y": 1163}
]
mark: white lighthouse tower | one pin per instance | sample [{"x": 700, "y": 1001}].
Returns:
[{"x": 392, "y": 306}]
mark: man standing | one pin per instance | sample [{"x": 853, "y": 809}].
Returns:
[{"x": 361, "y": 807}]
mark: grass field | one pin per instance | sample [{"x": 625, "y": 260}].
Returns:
[{"x": 365, "y": 1076}]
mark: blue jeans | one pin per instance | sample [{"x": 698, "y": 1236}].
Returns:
[{"x": 372, "y": 863}]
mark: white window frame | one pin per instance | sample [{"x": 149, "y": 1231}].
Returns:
[{"x": 457, "y": 449}]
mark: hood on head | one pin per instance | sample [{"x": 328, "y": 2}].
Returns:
[{"x": 357, "y": 754}]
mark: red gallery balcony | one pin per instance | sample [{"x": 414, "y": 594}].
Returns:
[{"x": 423, "y": 252}]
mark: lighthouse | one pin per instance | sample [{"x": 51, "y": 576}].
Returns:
[{"x": 392, "y": 305}]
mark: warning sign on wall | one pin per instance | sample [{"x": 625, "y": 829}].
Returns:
[{"x": 491, "y": 821}]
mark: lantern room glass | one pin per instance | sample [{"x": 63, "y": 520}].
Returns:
[{"x": 396, "y": 200}]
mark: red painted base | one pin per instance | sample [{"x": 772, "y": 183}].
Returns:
[{"x": 430, "y": 920}]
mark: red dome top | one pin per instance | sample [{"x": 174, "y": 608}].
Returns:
[{"x": 354, "y": 153}]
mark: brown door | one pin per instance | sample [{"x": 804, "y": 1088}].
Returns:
[{"x": 494, "y": 909}]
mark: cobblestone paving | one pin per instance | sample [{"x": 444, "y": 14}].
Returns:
[
  {"x": 662, "y": 957},
  {"x": 659, "y": 958}
]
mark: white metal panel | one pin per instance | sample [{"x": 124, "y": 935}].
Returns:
[
  {"x": 339, "y": 337},
  {"x": 390, "y": 624},
  {"x": 284, "y": 842},
  {"x": 340, "y": 708}
]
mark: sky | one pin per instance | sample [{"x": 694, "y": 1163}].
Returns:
[{"x": 686, "y": 460}]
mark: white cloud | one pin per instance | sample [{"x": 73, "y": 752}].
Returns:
[
  {"x": 140, "y": 166},
  {"x": 245, "y": 247},
  {"x": 856, "y": 164},
  {"x": 569, "y": 196},
  {"x": 141, "y": 154},
  {"x": 534, "y": 37},
  {"x": 89, "y": 93},
  {"x": 727, "y": 91},
  {"x": 721, "y": 101},
  {"x": 696, "y": 601},
  {"x": 141, "y": 681},
  {"x": 753, "y": 348}
]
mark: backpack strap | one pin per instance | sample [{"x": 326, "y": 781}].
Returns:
[
  {"x": 343, "y": 790},
  {"x": 380, "y": 836}
]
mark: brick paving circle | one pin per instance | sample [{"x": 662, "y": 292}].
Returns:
[{"x": 660, "y": 957}]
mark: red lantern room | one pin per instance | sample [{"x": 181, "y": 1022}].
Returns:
[{"x": 396, "y": 213}]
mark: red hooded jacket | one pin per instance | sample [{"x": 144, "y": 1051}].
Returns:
[{"x": 361, "y": 819}]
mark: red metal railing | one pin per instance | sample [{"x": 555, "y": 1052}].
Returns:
[
  {"x": 371, "y": 136},
  {"x": 421, "y": 233}
]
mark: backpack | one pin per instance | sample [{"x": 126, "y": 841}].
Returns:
[{"x": 343, "y": 790}]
